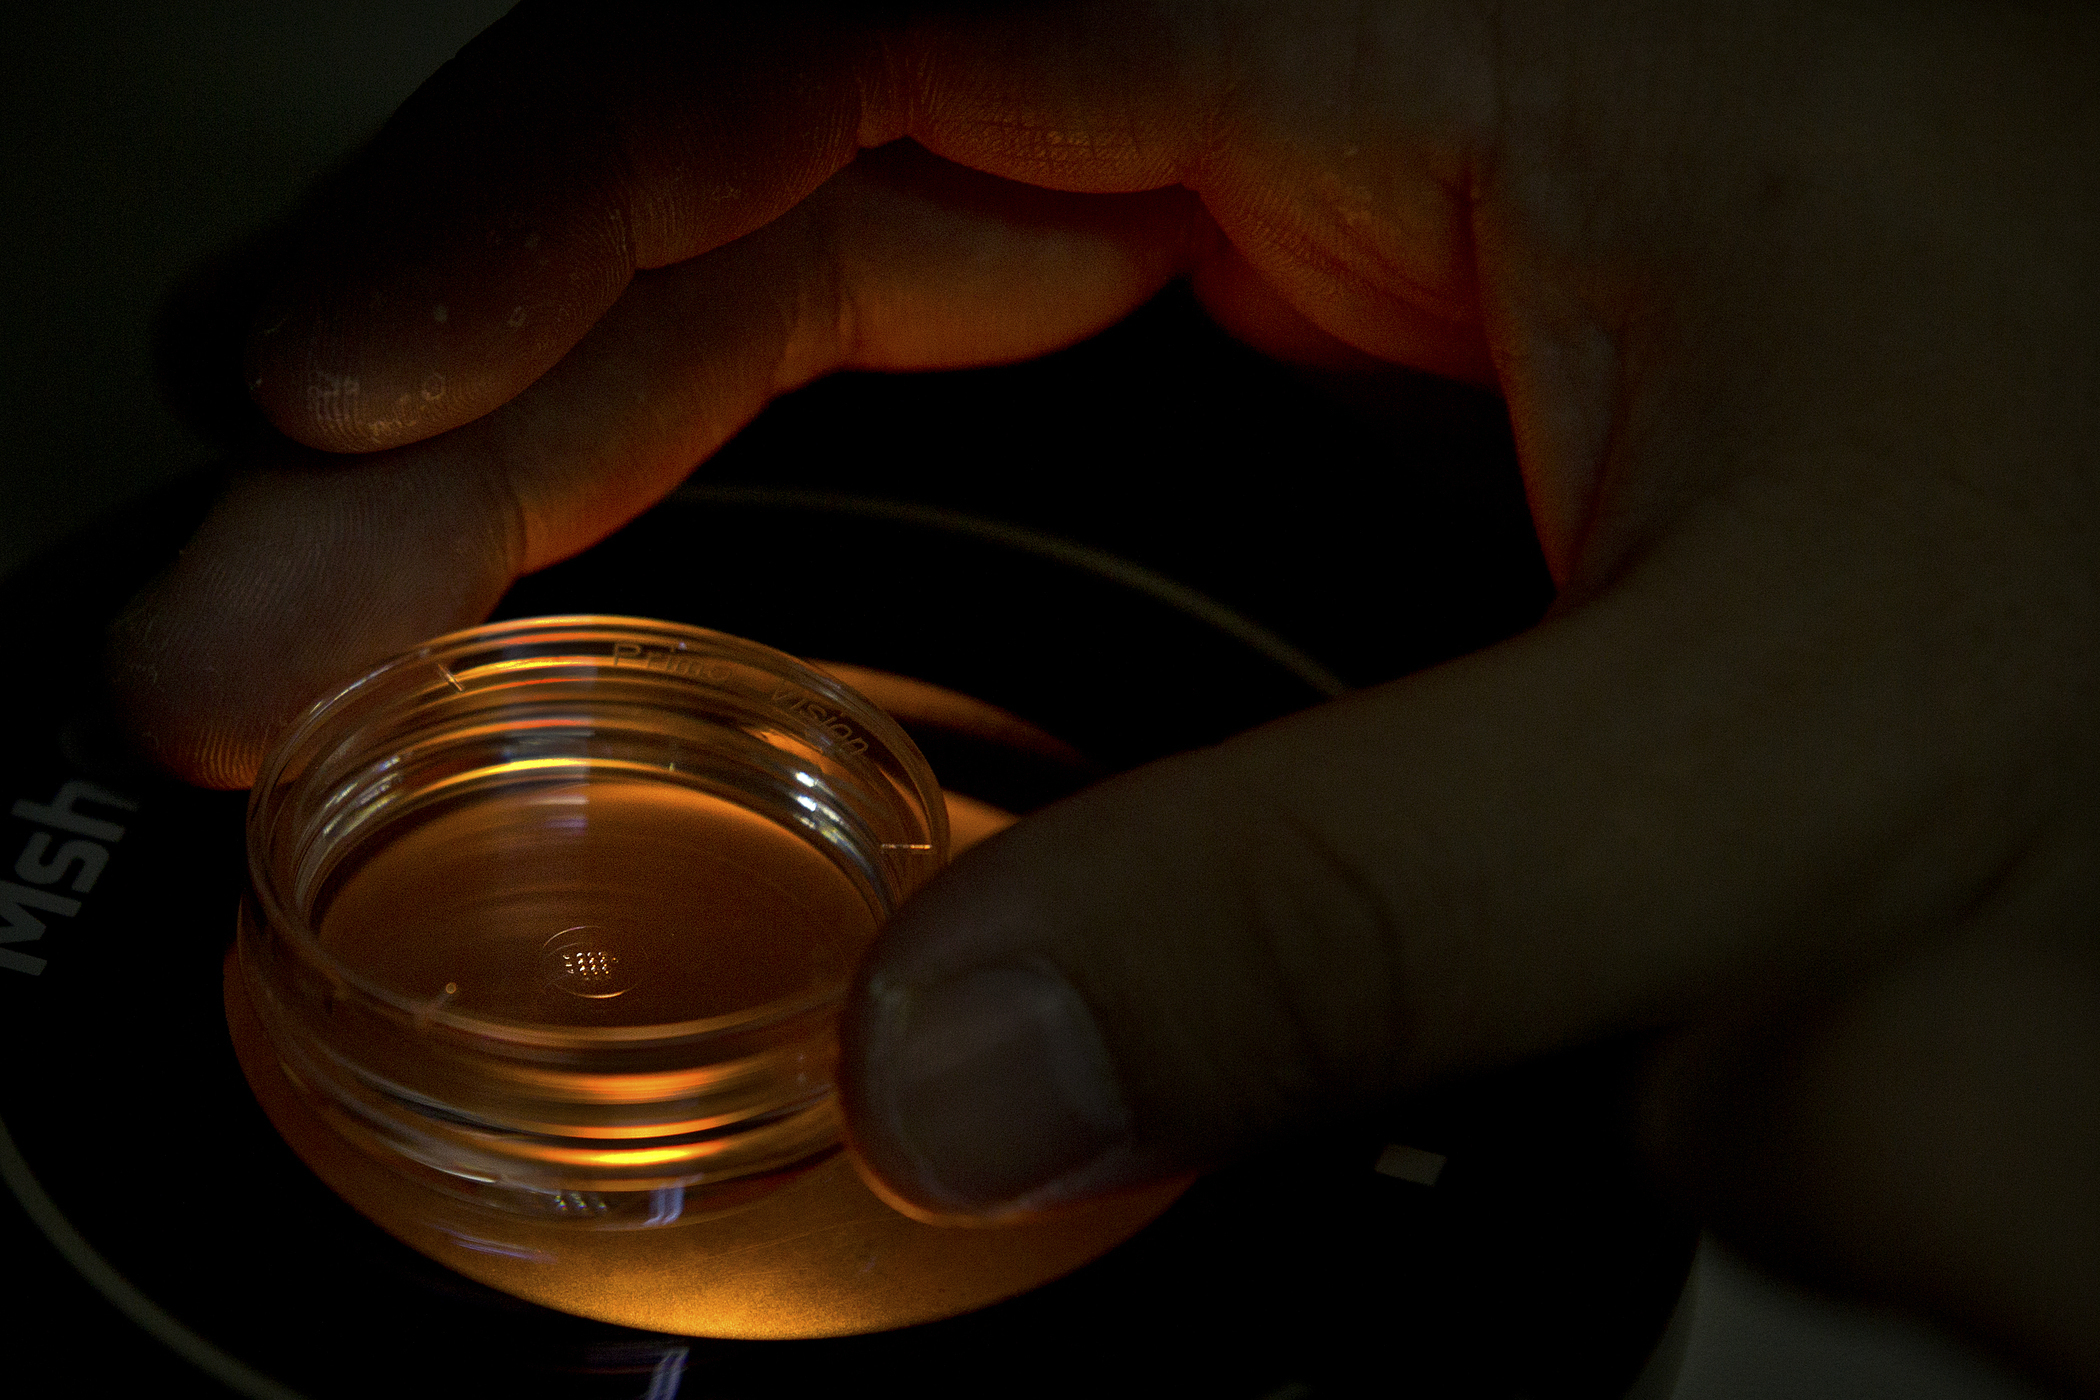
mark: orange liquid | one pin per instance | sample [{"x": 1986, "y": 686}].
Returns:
[{"x": 609, "y": 903}]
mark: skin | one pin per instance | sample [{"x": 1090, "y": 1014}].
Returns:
[{"x": 1794, "y": 308}]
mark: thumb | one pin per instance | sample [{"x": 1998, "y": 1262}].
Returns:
[
  {"x": 1615, "y": 821},
  {"x": 1150, "y": 976}
]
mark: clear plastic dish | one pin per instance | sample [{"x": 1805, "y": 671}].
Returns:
[{"x": 556, "y": 915}]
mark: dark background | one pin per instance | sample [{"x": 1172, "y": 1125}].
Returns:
[{"x": 147, "y": 145}]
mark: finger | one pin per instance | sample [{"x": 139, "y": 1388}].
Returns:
[
  {"x": 508, "y": 204},
  {"x": 1244, "y": 303},
  {"x": 313, "y": 568},
  {"x": 294, "y": 584},
  {"x": 1648, "y": 809}
]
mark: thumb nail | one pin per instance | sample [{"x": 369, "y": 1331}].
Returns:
[{"x": 997, "y": 1089}]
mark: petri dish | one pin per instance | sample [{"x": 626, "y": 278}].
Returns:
[
  {"x": 555, "y": 916},
  {"x": 539, "y": 964}
]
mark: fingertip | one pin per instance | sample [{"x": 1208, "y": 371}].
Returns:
[
  {"x": 302, "y": 577},
  {"x": 988, "y": 1094},
  {"x": 1249, "y": 306},
  {"x": 149, "y": 714},
  {"x": 446, "y": 267},
  {"x": 419, "y": 354}
]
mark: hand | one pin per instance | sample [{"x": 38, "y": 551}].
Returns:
[{"x": 1794, "y": 308}]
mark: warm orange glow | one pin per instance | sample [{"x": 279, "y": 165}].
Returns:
[{"x": 817, "y": 1257}]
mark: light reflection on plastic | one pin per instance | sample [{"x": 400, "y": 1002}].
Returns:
[
  {"x": 508, "y": 1251},
  {"x": 670, "y": 1370}
]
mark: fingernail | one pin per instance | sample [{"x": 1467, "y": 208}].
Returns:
[{"x": 1000, "y": 1087}]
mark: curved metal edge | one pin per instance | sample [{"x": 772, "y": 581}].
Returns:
[
  {"x": 1056, "y": 548},
  {"x": 121, "y": 1292}
]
